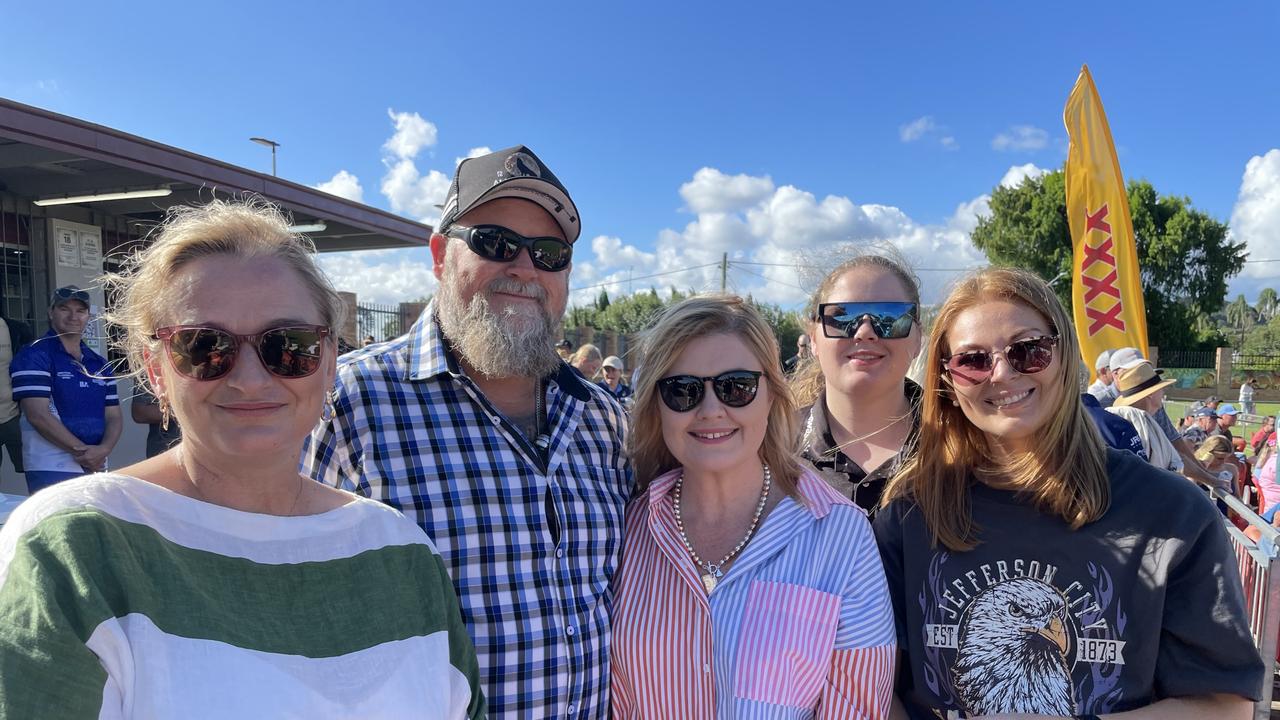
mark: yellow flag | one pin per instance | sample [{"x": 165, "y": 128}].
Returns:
[{"x": 1106, "y": 284}]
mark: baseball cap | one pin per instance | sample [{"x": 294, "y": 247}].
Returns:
[
  {"x": 513, "y": 172},
  {"x": 1125, "y": 358},
  {"x": 1226, "y": 409},
  {"x": 613, "y": 361},
  {"x": 67, "y": 293},
  {"x": 1104, "y": 360},
  {"x": 1204, "y": 412}
]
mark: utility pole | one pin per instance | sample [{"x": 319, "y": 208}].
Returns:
[{"x": 724, "y": 272}]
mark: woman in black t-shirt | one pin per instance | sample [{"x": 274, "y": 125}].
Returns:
[{"x": 1034, "y": 572}]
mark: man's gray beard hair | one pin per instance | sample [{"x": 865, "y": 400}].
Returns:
[{"x": 512, "y": 344}]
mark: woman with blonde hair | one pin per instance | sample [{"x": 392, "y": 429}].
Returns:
[
  {"x": 748, "y": 586},
  {"x": 860, "y": 412},
  {"x": 1036, "y": 573},
  {"x": 213, "y": 580},
  {"x": 587, "y": 360}
]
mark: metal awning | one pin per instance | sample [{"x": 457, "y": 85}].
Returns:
[{"x": 45, "y": 155}]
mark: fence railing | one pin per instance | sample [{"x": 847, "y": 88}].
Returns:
[
  {"x": 383, "y": 322},
  {"x": 1187, "y": 358},
  {"x": 1255, "y": 361},
  {"x": 1256, "y": 560}
]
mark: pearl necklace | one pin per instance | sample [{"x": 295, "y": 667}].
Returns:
[{"x": 715, "y": 571}]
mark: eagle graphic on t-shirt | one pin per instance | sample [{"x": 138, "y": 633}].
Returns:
[{"x": 1011, "y": 652}]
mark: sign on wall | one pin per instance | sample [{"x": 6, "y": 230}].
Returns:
[{"x": 68, "y": 248}]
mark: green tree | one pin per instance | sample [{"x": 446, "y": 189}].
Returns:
[
  {"x": 1267, "y": 303},
  {"x": 1239, "y": 313},
  {"x": 602, "y": 302},
  {"x": 1185, "y": 255}
]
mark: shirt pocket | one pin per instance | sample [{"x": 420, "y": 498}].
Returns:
[{"x": 785, "y": 643}]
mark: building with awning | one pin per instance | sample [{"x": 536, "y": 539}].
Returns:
[{"x": 76, "y": 196}]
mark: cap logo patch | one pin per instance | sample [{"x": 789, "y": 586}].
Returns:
[{"x": 521, "y": 164}]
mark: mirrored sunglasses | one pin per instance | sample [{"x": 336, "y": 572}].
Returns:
[
  {"x": 500, "y": 244},
  {"x": 1027, "y": 357},
  {"x": 889, "y": 320},
  {"x": 205, "y": 353},
  {"x": 735, "y": 388}
]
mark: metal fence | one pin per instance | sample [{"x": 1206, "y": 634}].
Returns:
[
  {"x": 1255, "y": 559},
  {"x": 1255, "y": 361},
  {"x": 1187, "y": 358},
  {"x": 383, "y": 322}
]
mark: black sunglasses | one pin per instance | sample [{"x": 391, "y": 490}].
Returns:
[
  {"x": 205, "y": 353},
  {"x": 1027, "y": 357},
  {"x": 735, "y": 388},
  {"x": 500, "y": 244},
  {"x": 889, "y": 320}
]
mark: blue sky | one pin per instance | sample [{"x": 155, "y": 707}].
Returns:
[{"x": 684, "y": 130}]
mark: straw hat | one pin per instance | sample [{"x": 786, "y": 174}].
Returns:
[{"x": 1138, "y": 382}]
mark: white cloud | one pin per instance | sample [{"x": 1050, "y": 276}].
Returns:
[
  {"x": 949, "y": 143},
  {"x": 916, "y": 129},
  {"x": 472, "y": 153},
  {"x": 414, "y": 194},
  {"x": 1016, "y": 174},
  {"x": 381, "y": 276},
  {"x": 344, "y": 185},
  {"x": 713, "y": 191},
  {"x": 771, "y": 239},
  {"x": 1255, "y": 220},
  {"x": 412, "y": 134},
  {"x": 1021, "y": 138}
]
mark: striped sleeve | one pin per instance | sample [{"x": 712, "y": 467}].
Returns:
[
  {"x": 113, "y": 395},
  {"x": 46, "y": 669},
  {"x": 30, "y": 375},
  {"x": 860, "y": 683}
]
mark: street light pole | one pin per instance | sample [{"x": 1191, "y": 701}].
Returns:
[{"x": 271, "y": 144}]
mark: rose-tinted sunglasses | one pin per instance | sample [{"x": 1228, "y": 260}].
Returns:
[
  {"x": 1028, "y": 357},
  {"x": 735, "y": 388},
  {"x": 205, "y": 353}
]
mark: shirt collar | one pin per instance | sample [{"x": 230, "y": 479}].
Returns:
[{"x": 430, "y": 356}]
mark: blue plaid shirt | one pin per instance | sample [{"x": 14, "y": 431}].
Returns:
[{"x": 531, "y": 547}]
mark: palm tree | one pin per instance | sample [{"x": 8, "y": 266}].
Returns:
[
  {"x": 1267, "y": 302},
  {"x": 1239, "y": 312}
]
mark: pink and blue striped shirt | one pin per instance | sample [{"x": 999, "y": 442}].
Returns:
[{"x": 801, "y": 625}]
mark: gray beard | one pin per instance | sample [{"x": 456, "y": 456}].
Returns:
[{"x": 509, "y": 344}]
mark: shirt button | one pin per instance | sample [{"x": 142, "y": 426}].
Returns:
[
  {"x": 559, "y": 552},
  {"x": 570, "y": 631},
  {"x": 572, "y": 709},
  {"x": 706, "y": 667}
]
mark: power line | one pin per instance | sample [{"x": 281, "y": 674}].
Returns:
[
  {"x": 772, "y": 280},
  {"x": 644, "y": 277}
]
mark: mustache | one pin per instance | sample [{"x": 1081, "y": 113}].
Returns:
[{"x": 515, "y": 287}]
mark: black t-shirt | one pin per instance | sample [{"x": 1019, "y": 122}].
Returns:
[{"x": 1144, "y": 604}]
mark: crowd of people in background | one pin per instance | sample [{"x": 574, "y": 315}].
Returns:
[{"x": 475, "y": 519}]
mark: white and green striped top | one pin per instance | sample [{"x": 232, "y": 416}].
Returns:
[{"x": 119, "y": 599}]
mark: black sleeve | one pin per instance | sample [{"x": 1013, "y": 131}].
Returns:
[
  {"x": 888, "y": 529},
  {"x": 1205, "y": 643}
]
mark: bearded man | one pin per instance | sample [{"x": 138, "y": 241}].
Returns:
[{"x": 474, "y": 427}]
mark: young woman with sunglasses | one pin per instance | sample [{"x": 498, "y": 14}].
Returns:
[
  {"x": 1036, "y": 573},
  {"x": 861, "y": 410},
  {"x": 748, "y": 587},
  {"x": 214, "y": 580}
]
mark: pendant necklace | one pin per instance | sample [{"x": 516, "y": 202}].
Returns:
[{"x": 712, "y": 572}]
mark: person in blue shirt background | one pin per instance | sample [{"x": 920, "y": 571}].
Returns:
[
  {"x": 613, "y": 383},
  {"x": 70, "y": 410}
]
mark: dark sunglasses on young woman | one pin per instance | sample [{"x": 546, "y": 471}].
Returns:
[
  {"x": 501, "y": 244},
  {"x": 735, "y": 388},
  {"x": 205, "y": 353},
  {"x": 889, "y": 320},
  {"x": 1027, "y": 357}
]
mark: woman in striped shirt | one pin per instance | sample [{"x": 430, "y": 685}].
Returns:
[
  {"x": 748, "y": 588},
  {"x": 213, "y": 580}
]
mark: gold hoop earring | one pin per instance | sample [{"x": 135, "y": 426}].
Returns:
[{"x": 164, "y": 413}]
